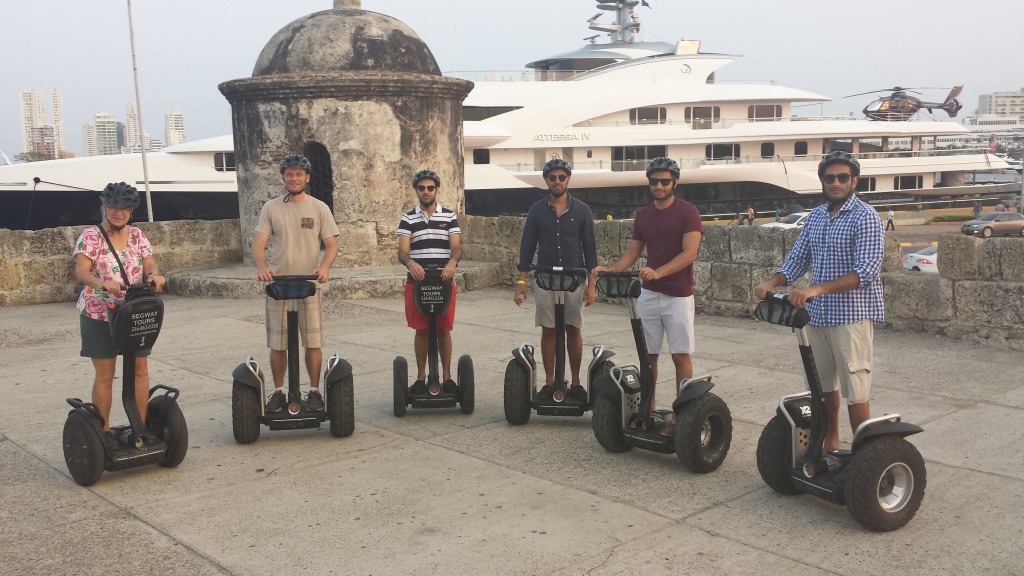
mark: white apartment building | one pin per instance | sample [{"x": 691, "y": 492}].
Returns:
[
  {"x": 89, "y": 139},
  {"x": 57, "y": 109},
  {"x": 33, "y": 115},
  {"x": 34, "y": 138},
  {"x": 174, "y": 127},
  {"x": 106, "y": 134},
  {"x": 1008, "y": 104}
]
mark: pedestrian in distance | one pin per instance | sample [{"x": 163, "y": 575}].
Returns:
[
  {"x": 976, "y": 211},
  {"x": 751, "y": 215},
  {"x": 295, "y": 224},
  {"x": 890, "y": 218}
]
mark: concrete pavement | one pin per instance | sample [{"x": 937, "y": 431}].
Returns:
[{"x": 439, "y": 492}]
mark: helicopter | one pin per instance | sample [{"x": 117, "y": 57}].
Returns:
[{"x": 899, "y": 105}]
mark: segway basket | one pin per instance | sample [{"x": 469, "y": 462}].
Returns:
[
  {"x": 135, "y": 323},
  {"x": 776, "y": 309},
  {"x": 619, "y": 284},
  {"x": 290, "y": 288},
  {"x": 558, "y": 281}
]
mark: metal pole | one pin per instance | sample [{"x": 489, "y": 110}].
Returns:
[{"x": 138, "y": 108}]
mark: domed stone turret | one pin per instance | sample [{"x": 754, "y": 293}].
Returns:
[{"x": 361, "y": 96}]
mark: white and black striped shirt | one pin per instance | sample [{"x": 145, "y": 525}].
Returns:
[{"x": 429, "y": 238}]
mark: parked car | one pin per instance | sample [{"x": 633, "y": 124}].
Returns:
[
  {"x": 794, "y": 220},
  {"x": 924, "y": 260},
  {"x": 1009, "y": 223}
]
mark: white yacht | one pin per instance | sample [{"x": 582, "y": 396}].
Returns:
[{"x": 608, "y": 108}]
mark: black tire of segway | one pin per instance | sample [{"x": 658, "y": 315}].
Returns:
[
  {"x": 83, "y": 450},
  {"x": 165, "y": 420},
  {"x": 704, "y": 410},
  {"x": 774, "y": 453},
  {"x": 401, "y": 385},
  {"x": 607, "y": 425},
  {"x": 517, "y": 394},
  {"x": 341, "y": 407},
  {"x": 467, "y": 392},
  {"x": 867, "y": 468},
  {"x": 245, "y": 413}
]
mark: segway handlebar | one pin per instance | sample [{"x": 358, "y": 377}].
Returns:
[
  {"x": 558, "y": 278},
  {"x": 295, "y": 277},
  {"x": 776, "y": 309},
  {"x": 619, "y": 284}
]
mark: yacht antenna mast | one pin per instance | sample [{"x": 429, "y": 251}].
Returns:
[
  {"x": 138, "y": 104},
  {"x": 626, "y": 25}
]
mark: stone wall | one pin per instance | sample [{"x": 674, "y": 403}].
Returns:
[{"x": 36, "y": 266}]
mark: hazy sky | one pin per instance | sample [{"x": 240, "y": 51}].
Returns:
[{"x": 186, "y": 47}]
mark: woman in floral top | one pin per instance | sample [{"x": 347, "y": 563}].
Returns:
[{"x": 97, "y": 269}]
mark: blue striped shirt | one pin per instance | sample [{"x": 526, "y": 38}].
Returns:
[
  {"x": 830, "y": 245},
  {"x": 429, "y": 237}
]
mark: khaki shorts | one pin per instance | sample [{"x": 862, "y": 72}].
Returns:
[
  {"x": 843, "y": 357},
  {"x": 310, "y": 322},
  {"x": 666, "y": 316},
  {"x": 545, "y": 305}
]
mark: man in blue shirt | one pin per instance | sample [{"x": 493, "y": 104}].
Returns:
[
  {"x": 843, "y": 243},
  {"x": 559, "y": 229}
]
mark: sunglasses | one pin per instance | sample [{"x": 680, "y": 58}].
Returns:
[
  {"x": 663, "y": 181},
  {"x": 830, "y": 178},
  {"x": 427, "y": 188},
  {"x": 557, "y": 177}
]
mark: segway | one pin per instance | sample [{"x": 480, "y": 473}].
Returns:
[
  {"x": 622, "y": 415},
  {"x": 248, "y": 388},
  {"x": 881, "y": 479},
  {"x": 432, "y": 296},
  {"x": 521, "y": 393},
  {"x": 163, "y": 439}
]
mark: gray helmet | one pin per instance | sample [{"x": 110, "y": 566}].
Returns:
[
  {"x": 557, "y": 164},
  {"x": 838, "y": 156},
  {"x": 426, "y": 174},
  {"x": 659, "y": 164},
  {"x": 296, "y": 161},
  {"x": 120, "y": 195}
]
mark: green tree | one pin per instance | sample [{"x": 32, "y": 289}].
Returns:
[{"x": 32, "y": 156}]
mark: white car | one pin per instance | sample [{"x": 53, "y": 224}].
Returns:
[
  {"x": 924, "y": 260},
  {"x": 794, "y": 220}
]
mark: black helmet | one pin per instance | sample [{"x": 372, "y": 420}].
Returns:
[
  {"x": 120, "y": 195},
  {"x": 838, "y": 156},
  {"x": 659, "y": 164},
  {"x": 426, "y": 174},
  {"x": 296, "y": 161},
  {"x": 557, "y": 164}
]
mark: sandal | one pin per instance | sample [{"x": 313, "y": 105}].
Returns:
[{"x": 546, "y": 392}]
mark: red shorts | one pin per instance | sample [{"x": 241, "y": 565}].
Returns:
[{"x": 418, "y": 321}]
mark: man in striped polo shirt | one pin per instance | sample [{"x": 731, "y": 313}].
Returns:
[{"x": 429, "y": 235}]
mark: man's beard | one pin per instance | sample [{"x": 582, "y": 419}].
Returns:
[{"x": 427, "y": 204}]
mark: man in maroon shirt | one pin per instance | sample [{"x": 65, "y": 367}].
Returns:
[{"x": 670, "y": 229}]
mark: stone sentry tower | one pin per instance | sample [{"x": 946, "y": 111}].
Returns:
[{"x": 362, "y": 97}]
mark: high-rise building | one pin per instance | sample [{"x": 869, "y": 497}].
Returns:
[
  {"x": 131, "y": 136},
  {"x": 89, "y": 139},
  {"x": 1007, "y": 104},
  {"x": 57, "y": 109},
  {"x": 107, "y": 134},
  {"x": 174, "y": 127},
  {"x": 33, "y": 115},
  {"x": 48, "y": 142}
]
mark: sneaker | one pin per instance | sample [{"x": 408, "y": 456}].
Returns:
[
  {"x": 109, "y": 440},
  {"x": 450, "y": 387},
  {"x": 578, "y": 392},
  {"x": 546, "y": 392},
  {"x": 418, "y": 387},
  {"x": 277, "y": 402},
  {"x": 314, "y": 401}
]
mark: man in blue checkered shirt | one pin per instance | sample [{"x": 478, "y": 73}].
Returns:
[{"x": 843, "y": 244}]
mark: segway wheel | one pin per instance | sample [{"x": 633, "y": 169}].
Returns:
[
  {"x": 401, "y": 376},
  {"x": 703, "y": 433},
  {"x": 83, "y": 449},
  {"x": 167, "y": 422},
  {"x": 341, "y": 407},
  {"x": 885, "y": 484},
  {"x": 517, "y": 394},
  {"x": 607, "y": 425},
  {"x": 245, "y": 413},
  {"x": 467, "y": 395},
  {"x": 774, "y": 453}
]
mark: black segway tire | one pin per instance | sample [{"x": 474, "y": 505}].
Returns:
[
  {"x": 774, "y": 453},
  {"x": 467, "y": 393},
  {"x": 401, "y": 385},
  {"x": 245, "y": 413},
  {"x": 885, "y": 483},
  {"x": 517, "y": 394},
  {"x": 165, "y": 420},
  {"x": 83, "y": 449},
  {"x": 703, "y": 433},
  {"x": 341, "y": 407},
  {"x": 607, "y": 425}
]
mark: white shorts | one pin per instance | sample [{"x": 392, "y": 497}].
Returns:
[
  {"x": 842, "y": 355},
  {"x": 666, "y": 315}
]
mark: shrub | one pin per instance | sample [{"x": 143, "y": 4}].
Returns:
[{"x": 952, "y": 218}]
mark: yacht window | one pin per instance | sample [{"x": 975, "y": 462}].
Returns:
[
  {"x": 477, "y": 113},
  {"x": 635, "y": 158},
  {"x": 767, "y": 149},
  {"x": 907, "y": 182},
  {"x": 650, "y": 115},
  {"x": 481, "y": 156},
  {"x": 800, "y": 148},
  {"x": 702, "y": 117},
  {"x": 224, "y": 161},
  {"x": 764, "y": 112},
  {"x": 866, "y": 184},
  {"x": 721, "y": 151}
]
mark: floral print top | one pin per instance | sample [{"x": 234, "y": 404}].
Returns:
[{"x": 94, "y": 303}]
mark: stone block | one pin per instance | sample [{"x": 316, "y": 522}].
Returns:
[
  {"x": 730, "y": 283},
  {"x": 1001, "y": 259},
  {"x": 958, "y": 257},
  {"x": 756, "y": 246},
  {"x": 714, "y": 246},
  {"x": 47, "y": 243},
  {"x": 989, "y": 305},
  {"x": 911, "y": 299},
  {"x": 10, "y": 276},
  {"x": 892, "y": 260}
]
